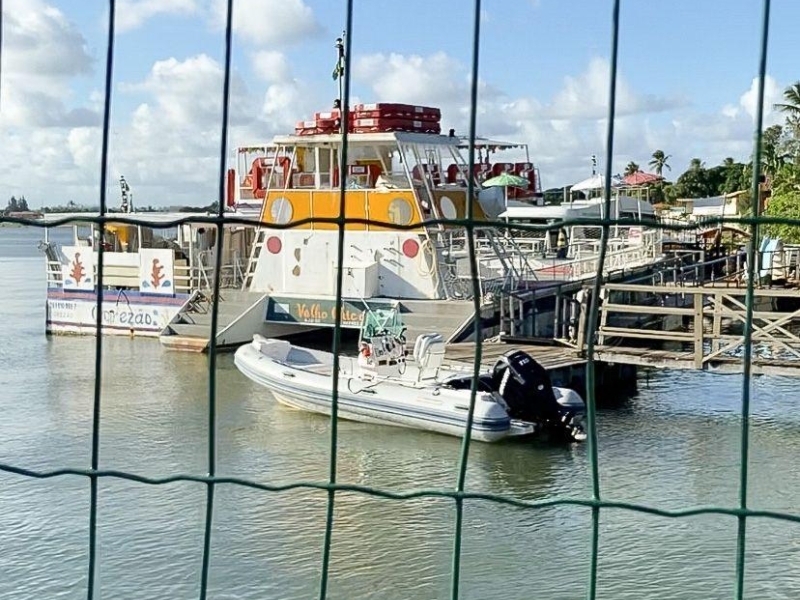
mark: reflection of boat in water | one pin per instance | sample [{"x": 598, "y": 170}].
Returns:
[{"x": 514, "y": 398}]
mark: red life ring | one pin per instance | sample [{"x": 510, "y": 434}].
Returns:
[{"x": 263, "y": 165}]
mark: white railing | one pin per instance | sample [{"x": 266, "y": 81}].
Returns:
[
  {"x": 53, "y": 270},
  {"x": 618, "y": 257},
  {"x": 508, "y": 263}
]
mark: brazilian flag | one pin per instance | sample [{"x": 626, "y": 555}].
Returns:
[{"x": 338, "y": 70}]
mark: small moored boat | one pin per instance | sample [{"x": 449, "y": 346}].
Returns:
[{"x": 514, "y": 398}]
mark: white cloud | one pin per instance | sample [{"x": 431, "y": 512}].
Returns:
[
  {"x": 42, "y": 52},
  {"x": 131, "y": 14},
  {"x": 170, "y": 151},
  {"x": 39, "y": 41},
  {"x": 84, "y": 146},
  {"x": 269, "y": 22},
  {"x": 586, "y": 96},
  {"x": 271, "y": 66},
  {"x": 432, "y": 79},
  {"x": 185, "y": 90},
  {"x": 772, "y": 94},
  {"x": 562, "y": 132}
]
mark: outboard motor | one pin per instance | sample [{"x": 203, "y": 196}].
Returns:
[{"x": 526, "y": 389}]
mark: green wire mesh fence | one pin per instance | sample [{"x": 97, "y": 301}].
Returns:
[{"x": 459, "y": 494}]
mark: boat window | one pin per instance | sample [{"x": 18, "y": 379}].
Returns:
[
  {"x": 281, "y": 210},
  {"x": 448, "y": 208},
  {"x": 392, "y": 181},
  {"x": 400, "y": 211},
  {"x": 83, "y": 235}
]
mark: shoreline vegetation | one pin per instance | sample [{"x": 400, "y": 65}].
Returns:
[{"x": 18, "y": 208}]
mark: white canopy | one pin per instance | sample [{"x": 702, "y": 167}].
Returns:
[{"x": 595, "y": 182}]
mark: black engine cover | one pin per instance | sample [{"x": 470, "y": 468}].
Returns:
[{"x": 525, "y": 386}]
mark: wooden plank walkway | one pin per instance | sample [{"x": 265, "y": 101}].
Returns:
[{"x": 550, "y": 357}]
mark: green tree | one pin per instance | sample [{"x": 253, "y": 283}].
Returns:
[
  {"x": 631, "y": 168},
  {"x": 696, "y": 164},
  {"x": 791, "y": 106},
  {"x": 735, "y": 177},
  {"x": 659, "y": 162},
  {"x": 773, "y": 150},
  {"x": 785, "y": 203}
]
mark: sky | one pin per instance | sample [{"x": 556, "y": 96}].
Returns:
[{"x": 687, "y": 83}]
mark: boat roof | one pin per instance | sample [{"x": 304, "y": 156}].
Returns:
[
  {"x": 547, "y": 211},
  {"x": 383, "y": 137},
  {"x": 484, "y": 143},
  {"x": 591, "y": 207},
  {"x": 145, "y": 218}
]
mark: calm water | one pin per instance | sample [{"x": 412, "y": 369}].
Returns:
[{"x": 674, "y": 444}]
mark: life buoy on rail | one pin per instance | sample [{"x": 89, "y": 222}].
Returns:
[
  {"x": 230, "y": 188},
  {"x": 263, "y": 166},
  {"x": 365, "y": 355}
]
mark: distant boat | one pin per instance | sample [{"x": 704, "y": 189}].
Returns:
[{"x": 515, "y": 398}]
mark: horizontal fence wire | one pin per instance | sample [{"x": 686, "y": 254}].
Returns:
[
  {"x": 79, "y": 218},
  {"x": 459, "y": 495}
]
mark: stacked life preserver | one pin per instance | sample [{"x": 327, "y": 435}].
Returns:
[{"x": 375, "y": 118}]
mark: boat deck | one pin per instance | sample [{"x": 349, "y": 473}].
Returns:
[{"x": 551, "y": 358}]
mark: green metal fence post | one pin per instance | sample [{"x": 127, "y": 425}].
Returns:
[
  {"x": 212, "y": 358},
  {"x": 98, "y": 357},
  {"x": 341, "y": 222},
  {"x": 747, "y": 356},
  {"x": 476, "y": 306}
]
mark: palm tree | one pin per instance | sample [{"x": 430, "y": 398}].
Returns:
[
  {"x": 631, "y": 168},
  {"x": 791, "y": 105},
  {"x": 660, "y": 161}
]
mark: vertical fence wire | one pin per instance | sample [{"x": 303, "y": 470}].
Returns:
[
  {"x": 747, "y": 355},
  {"x": 98, "y": 281},
  {"x": 455, "y": 575},
  {"x": 591, "y": 400},
  {"x": 212, "y": 358},
  {"x": 341, "y": 222}
]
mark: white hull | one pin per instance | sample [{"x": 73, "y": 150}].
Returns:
[
  {"x": 301, "y": 379},
  {"x": 125, "y": 315}
]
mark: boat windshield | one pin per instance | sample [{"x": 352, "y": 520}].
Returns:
[{"x": 382, "y": 321}]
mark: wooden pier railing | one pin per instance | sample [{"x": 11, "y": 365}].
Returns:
[{"x": 697, "y": 327}]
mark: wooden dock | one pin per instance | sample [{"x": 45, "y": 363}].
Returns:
[
  {"x": 710, "y": 320},
  {"x": 550, "y": 357},
  {"x": 565, "y": 366},
  {"x": 670, "y": 359}
]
